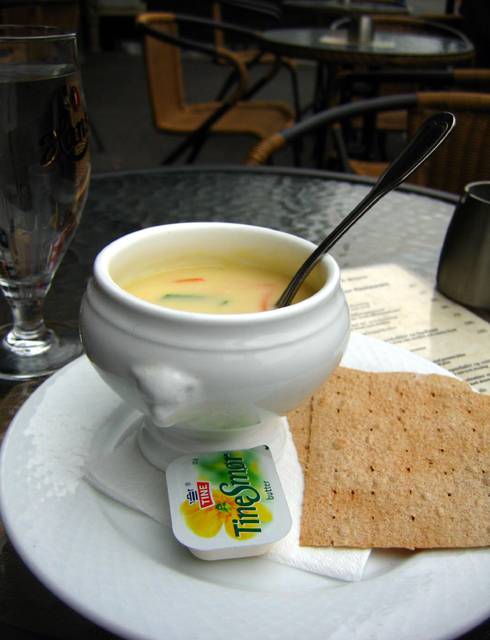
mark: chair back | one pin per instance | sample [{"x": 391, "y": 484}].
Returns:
[
  {"x": 254, "y": 14},
  {"x": 465, "y": 155},
  {"x": 163, "y": 67},
  {"x": 257, "y": 15}
]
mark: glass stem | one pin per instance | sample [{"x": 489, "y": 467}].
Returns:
[
  {"x": 28, "y": 318},
  {"x": 29, "y": 335}
]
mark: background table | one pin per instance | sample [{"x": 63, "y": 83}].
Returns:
[
  {"x": 388, "y": 46},
  {"x": 406, "y": 228},
  {"x": 332, "y": 48}
]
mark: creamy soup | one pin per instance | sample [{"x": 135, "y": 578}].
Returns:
[{"x": 213, "y": 286}]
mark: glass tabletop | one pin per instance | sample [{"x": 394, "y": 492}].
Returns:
[
  {"x": 304, "y": 202},
  {"x": 325, "y": 44},
  {"x": 407, "y": 228}
]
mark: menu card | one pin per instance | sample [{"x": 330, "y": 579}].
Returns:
[{"x": 394, "y": 305}]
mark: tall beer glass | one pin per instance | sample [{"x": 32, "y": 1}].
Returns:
[{"x": 44, "y": 179}]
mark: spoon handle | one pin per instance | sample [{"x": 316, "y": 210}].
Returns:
[{"x": 428, "y": 137}]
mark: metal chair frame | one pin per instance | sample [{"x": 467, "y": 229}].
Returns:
[{"x": 243, "y": 89}]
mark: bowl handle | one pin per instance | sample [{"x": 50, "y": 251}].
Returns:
[{"x": 168, "y": 392}]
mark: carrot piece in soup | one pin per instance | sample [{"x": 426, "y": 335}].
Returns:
[{"x": 265, "y": 300}]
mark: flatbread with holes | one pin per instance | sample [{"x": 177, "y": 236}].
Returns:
[
  {"x": 395, "y": 460},
  {"x": 300, "y": 424}
]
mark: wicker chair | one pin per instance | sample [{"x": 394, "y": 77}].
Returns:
[
  {"x": 237, "y": 114},
  {"x": 378, "y": 128},
  {"x": 373, "y": 84},
  {"x": 464, "y": 156}
]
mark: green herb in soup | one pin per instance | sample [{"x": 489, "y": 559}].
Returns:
[{"x": 213, "y": 286}]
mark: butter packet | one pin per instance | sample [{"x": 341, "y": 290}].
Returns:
[{"x": 227, "y": 504}]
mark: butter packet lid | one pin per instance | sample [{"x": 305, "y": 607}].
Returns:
[{"x": 227, "y": 504}]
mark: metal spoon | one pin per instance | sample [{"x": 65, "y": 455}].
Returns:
[{"x": 428, "y": 137}]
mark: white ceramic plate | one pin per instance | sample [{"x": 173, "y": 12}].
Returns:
[{"x": 126, "y": 573}]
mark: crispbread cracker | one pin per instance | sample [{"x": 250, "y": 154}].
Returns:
[
  {"x": 300, "y": 424},
  {"x": 397, "y": 460}
]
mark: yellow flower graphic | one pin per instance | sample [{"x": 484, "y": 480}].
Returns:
[{"x": 208, "y": 522}]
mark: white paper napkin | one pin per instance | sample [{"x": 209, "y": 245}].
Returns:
[{"x": 125, "y": 476}]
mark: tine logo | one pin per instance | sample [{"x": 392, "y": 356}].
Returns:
[{"x": 204, "y": 494}]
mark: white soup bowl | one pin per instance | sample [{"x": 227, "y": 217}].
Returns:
[{"x": 210, "y": 381}]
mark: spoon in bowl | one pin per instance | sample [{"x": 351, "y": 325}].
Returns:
[{"x": 426, "y": 140}]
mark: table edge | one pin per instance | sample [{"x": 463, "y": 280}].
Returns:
[{"x": 445, "y": 196}]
